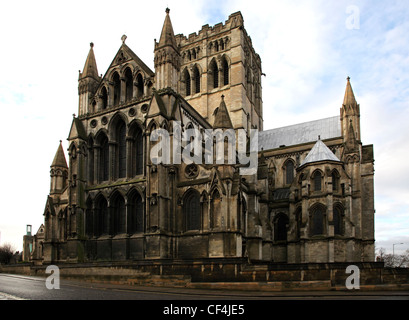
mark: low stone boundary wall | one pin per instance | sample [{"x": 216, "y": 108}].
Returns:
[{"x": 229, "y": 274}]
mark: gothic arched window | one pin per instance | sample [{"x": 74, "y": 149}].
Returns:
[
  {"x": 103, "y": 159},
  {"x": 119, "y": 215},
  {"x": 128, "y": 85},
  {"x": 317, "y": 181},
  {"x": 338, "y": 220},
  {"x": 289, "y": 172},
  {"x": 191, "y": 210},
  {"x": 280, "y": 227},
  {"x": 121, "y": 154},
  {"x": 117, "y": 88},
  {"x": 335, "y": 180},
  {"x": 101, "y": 216},
  {"x": 187, "y": 82},
  {"x": 139, "y": 85},
  {"x": 136, "y": 213},
  {"x": 225, "y": 67},
  {"x": 89, "y": 219},
  {"x": 215, "y": 210},
  {"x": 136, "y": 138},
  {"x": 104, "y": 98},
  {"x": 214, "y": 74},
  {"x": 196, "y": 74},
  {"x": 317, "y": 221}
]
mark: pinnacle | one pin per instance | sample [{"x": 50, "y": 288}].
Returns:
[
  {"x": 349, "y": 98},
  {"x": 90, "y": 67},
  {"x": 167, "y": 36},
  {"x": 59, "y": 158}
]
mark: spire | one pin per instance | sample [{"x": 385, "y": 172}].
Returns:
[
  {"x": 167, "y": 37},
  {"x": 221, "y": 117},
  {"x": 349, "y": 98},
  {"x": 59, "y": 158},
  {"x": 90, "y": 68}
]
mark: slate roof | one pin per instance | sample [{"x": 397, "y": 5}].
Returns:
[
  {"x": 300, "y": 133},
  {"x": 320, "y": 152}
]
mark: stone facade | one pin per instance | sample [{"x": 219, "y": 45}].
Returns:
[{"x": 311, "y": 200}]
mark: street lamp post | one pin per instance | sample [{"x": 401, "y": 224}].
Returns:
[{"x": 393, "y": 254}]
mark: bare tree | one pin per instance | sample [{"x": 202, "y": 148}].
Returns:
[
  {"x": 393, "y": 261},
  {"x": 6, "y": 253}
]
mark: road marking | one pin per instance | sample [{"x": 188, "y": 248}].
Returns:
[{"x": 6, "y": 296}]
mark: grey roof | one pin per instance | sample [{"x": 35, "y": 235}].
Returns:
[
  {"x": 300, "y": 133},
  {"x": 320, "y": 152}
]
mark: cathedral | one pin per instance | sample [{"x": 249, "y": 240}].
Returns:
[{"x": 310, "y": 199}]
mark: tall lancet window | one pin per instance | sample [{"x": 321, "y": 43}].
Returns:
[
  {"x": 225, "y": 67},
  {"x": 117, "y": 89},
  {"x": 191, "y": 210},
  {"x": 121, "y": 140},
  {"x": 103, "y": 159},
  {"x": 128, "y": 85},
  {"x": 197, "y": 79}
]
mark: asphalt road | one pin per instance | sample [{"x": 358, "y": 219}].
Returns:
[{"x": 18, "y": 287}]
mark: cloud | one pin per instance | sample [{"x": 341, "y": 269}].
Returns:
[{"x": 306, "y": 50}]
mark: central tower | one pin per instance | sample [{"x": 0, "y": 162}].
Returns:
[{"x": 219, "y": 60}]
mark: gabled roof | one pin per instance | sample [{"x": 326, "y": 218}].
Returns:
[
  {"x": 125, "y": 54},
  {"x": 77, "y": 130},
  {"x": 320, "y": 152},
  {"x": 59, "y": 158},
  {"x": 327, "y": 128},
  {"x": 138, "y": 61}
]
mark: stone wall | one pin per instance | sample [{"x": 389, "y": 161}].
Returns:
[{"x": 230, "y": 273}]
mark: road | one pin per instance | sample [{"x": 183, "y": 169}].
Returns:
[{"x": 19, "y": 287}]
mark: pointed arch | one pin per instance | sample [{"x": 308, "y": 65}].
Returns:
[
  {"x": 289, "y": 169},
  {"x": 90, "y": 159},
  {"x": 118, "y": 213},
  {"x": 226, "y": 70},
  {"x": 103, "y": 156},
  {"x": 137, "y": 146},
  {"x": 335, "y": 180},
  {"x": 139, "y": 83},
  {"x": 104, "y": 98},
  {"x": 187, "y": 81},
  {"x": 136, "y": 211},
  {"x": 101, "y": 217},
  {"x": 197, "y": 79},
  {"x": 280, "y": 227},
  {"x": 215, "y": 209},
  {"x": 121, "y": 149},
  {"x": 89, "y": 218},
  {"x": 298, "y": 222},
  {"x": 128, "y": 84},
  {"x": 213, "y": 74},
  {"x": 317, "y": 177},
  {"x": 317, "y": 219},
  {"x": 118, "y": 132},
  {"x": 338, "y": 214},
  {"x": 191, "y": 210},
  {"x": 117, "y": 88}
]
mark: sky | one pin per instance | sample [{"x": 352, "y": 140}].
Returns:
[{"x": 307, "y": 48}]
